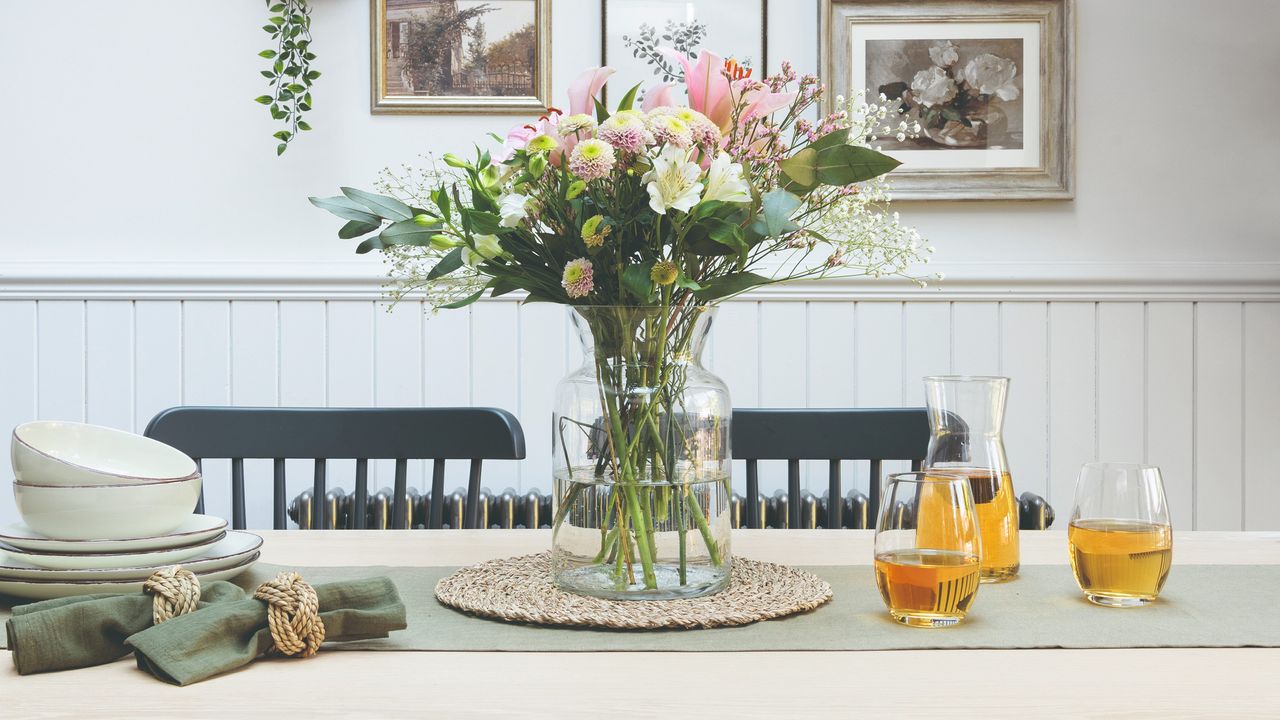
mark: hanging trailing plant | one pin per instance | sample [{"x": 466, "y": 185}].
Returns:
[{"x": 290, "y": 76}]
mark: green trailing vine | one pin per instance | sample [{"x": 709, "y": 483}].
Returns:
[{"x": 290, "y": 76}]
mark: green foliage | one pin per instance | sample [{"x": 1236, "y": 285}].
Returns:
[
  {"x": 830, "y": 161},
  {"x": 290, "y": 75}
]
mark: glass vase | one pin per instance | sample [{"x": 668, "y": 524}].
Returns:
[
  {"x": 641, "y": 459},
  {"x": 966, "y": 425}
]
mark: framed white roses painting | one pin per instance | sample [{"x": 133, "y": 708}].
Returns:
[{"x": 986, "y": 89}]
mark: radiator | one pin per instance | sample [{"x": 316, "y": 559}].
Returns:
[{"x": 510, "y": 509}]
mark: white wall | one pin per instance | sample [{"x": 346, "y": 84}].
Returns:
[{"x": 154, "y": 251}]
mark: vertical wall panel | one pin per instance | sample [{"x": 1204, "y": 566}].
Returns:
[
  {"x": 255, "y": 373},
  {"x": 495, "y": 343},
  {"x": 18, "y": 372},
  {"x": 1072, "y": 378},
  {"x": 542, "y": 361},
  {"x": 446, "y": 353},
  {"x": 975, "y": 338},
  {"x": 1219, "y": 483},
  {"x": 926, "y": 347},
  {"x": 157, "y": 358},
  {"x": 832, "y": 356},
  {"x": 1121, "y": 400},
  {"x": 109, "y": 363},
  {"x": 206, "y": 380},
  {"x": 255, "y": 345},
  {"x": 737, "y": 352},
  {"x": 783, "y": 334},
  {"x": 397, "y": 377},
  {"x": 1261, "y": 416},
  {"x": 879, "y": 355},
  {"x": 1024, "y": 340},
  {"x": 303, "y": 381},
  {"x": 1170, "y": 386},
  {"x": 60, "y": 353},
  {"x": 350, "y": 376}
]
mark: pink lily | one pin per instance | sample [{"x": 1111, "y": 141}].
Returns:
[
  {"x": 584, "y": 89},
  {"x": 658, "y": 96},
  {"x": 713, "y": 94}
]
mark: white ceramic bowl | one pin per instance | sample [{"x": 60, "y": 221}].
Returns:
[
  {"x": 107, "y": 512},
  {"x": 52, "y": 452}
]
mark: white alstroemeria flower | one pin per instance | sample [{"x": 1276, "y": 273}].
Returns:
[
  {"x": 513, "y": 208},
  {"x": 992, "y": 75},
  {"x": 487, "y": 248},
  {"x": 673, "y": 181},
  {"x": 725, "y": 182}
]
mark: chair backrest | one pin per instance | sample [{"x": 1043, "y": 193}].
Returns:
[
  {"x": 826, "y": 434},
  {"x": 362, "y": 434}
]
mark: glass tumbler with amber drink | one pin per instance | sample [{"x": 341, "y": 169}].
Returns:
[
  {"x": 966, "y": 425},
  {"x": 928, "y": 548},
  {"x": 1120, "y": 540}
]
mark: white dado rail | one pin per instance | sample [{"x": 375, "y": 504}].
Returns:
[{"x": 1175, "y": 367}]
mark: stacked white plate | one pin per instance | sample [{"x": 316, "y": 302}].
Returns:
[
  {"x": 103, "y": 510},
  {"x": 36, "y": 567}
]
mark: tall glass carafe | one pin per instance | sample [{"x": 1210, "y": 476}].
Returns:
[{"x": 966, "y": 421}]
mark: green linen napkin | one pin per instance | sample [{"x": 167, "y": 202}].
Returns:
[
  {"x": 199, "y": 645},
  {"x": 86, "y": 630}
]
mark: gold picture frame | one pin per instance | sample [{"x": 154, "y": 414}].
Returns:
[
  {"x": 1048, "y": 171},
  {"x": 400, "y": 102}
]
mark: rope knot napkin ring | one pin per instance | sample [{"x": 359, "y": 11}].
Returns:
[
  {"x": 293, "y": 614},
  {"x": 176, "y": 591}
]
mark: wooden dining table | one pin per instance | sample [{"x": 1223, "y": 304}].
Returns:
[{"x": 1131, "y": 683}]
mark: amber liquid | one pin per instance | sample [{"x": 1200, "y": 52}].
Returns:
[
  {"x": 997, "y": 510},
  {"x": 1120, "y": 559},
  {"x": 927, "y": 588}
]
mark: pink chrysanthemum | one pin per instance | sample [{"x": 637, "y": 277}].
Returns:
[
  {"x": 591, "y": 159},
  {"x": 701, "y": 129},
  {"x": 626, "y": 133},
  {"x": 668, "y": 128},
  {"x": 578, "y": 279}
]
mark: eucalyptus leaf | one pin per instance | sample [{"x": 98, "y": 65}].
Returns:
[
  {"x": 450, "y": 262},
  {"x": 776, "y": 208},
  {"x": 848, "y": 164},
  {"x": 356, "y": 228},
  {"x": 730, "y": 284},
  {"x": 408, "y": 232},
  {"x": 387, "y": 207},
  {"x": 345, "y": 209}
]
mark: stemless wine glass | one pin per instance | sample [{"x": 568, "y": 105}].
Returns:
[
  {"x": 928, "y": 551},
  {"x": 1120, "y": 540}
]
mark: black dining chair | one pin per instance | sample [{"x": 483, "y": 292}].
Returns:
[
  {"x": 834, "y": 435},
  {"x": 362, "y": 434}
]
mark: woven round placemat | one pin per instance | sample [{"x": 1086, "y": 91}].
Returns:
[{"x": 519, "y": 589}]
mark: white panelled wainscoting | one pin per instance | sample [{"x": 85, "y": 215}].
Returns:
[{"x": 1182, "y": 375}]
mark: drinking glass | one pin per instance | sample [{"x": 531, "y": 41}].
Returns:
[
  {"x": 928, "y": 549},
  {"x": 1120, "y": 540}
]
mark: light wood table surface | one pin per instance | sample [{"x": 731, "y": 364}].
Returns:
[{"x": 1129, "y": 683}]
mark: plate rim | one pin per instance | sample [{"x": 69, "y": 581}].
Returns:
[
  {"x": 5, "y": 538},
  {"x": 256, "y": 548},
  {"x": 247, "y": 562},
  {"x": 5, "y": 547}
]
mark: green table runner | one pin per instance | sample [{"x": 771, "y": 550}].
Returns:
[{"x": 1202, "y": 606}]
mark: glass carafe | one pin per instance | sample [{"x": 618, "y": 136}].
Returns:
[{"x": 966, "y": 420}]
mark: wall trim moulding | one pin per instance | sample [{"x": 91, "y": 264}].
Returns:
[{"x": 974, "y": 281}]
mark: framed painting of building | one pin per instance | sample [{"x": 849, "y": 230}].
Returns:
[
  {"x": 460, "y": 56},
  {"x": 987, "y": 87},
  {"x": 633, "y": 30}
]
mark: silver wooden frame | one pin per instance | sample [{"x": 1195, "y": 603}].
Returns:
[
  {"x": 381, "y": 104},
  {"x": 1054, "y": 177}
]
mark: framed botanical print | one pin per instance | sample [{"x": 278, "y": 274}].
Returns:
[
  {"x": 460, "y": 56},
  {"x": 989, "y": 83},
  {"x": 635, "y": 29}
]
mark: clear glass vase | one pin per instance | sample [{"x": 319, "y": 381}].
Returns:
[
  {"x": 966, "y": 422},
  {"x": 641, "y": 459}
]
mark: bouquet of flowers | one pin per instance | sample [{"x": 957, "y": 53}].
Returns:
[{"x": 641, "y": 216}]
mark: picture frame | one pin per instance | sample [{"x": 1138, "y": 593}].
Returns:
[
  {"x": 724, "y": 21},
  {"x": 992, "y": 84},
  {"x": 472, "y": 81}
]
